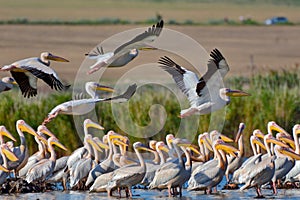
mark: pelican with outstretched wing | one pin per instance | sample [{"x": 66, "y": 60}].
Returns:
[
  {"x": 206, "y": 94},
  {"x": 127, "y": 51},
  {"x": 26, "y": 72},
  {"x": 83, "y": 106}
]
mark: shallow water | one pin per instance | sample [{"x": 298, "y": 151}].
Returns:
[{"x": 155, "y": 194}]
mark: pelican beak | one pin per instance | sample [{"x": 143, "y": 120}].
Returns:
[
  {"x": 164, "y": 148},
  {"x": 236, "y": 93},
  {"x": 258, "y": 142},
  {"x": 56, "y": 58},
  {"x": 227, "y": 148},
  {"x": 94, "y": 144},
  {"x": 3, "y": 169},
  {"x": 225, "y": 138},
  {"x": 192, "y": 147},
  {"x": 207, "y": 143},
  {"x": 10, "y": 155},
  {"x": 101, "y": 144},
  {"x": 147, "y": 48},
  {"x": 144, "y": 147},
  {"x": 275, "y": 141},
  {"x": 5, "y": 132},
  {"x": 289, "y": 152},
  {"x": 26, "y": 128},
  {"x": 105, "y": 88},
  {"x": 42, "y": 139},
  {"x": 116, "y": 135},
  {"x": 287, "y": 140},
  {"x": 90, "y": 124},
  {"x": 120, "y": 143},
  {"x": 14, "y": 82},
  {"x": 60, "y": 145}
]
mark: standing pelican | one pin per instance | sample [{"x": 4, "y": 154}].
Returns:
[
  {"x": 44, "y": 168},
  {"x": 5, "y": 153},
  {"x": 83, "y": 106},
  {"x": 129, "y": 175},
  {"x": 206, "y": 94},
  {"x": 127, "y": 51},
  {"x": 27, "y": 71},
  {"x": 21, "y": 151},
  {"x": 235, "y": 162},
  {"x": 210, "y": 176},
  {"x": 7, "y": 83}
]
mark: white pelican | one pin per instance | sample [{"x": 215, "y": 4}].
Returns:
[
  {"x": 262, "y": 172},
  {"x": 7, "y": 83},
  {"x": 129, "y": 175},
  {"x": 235, "y": 162},
  {"x": 211, "y": 174},
  {"x": 44, "y": 168},
  {"x": 27, "y": 71},
  {"x": 174, "y": 173},
  {"x": 206, "y": 94},
  {"x": 21, "y": 151},
  {"x": 58, "y": 174},
  {"x": 106, "y": 165},
  {"x": 5, "y": 153},
  {"x": 292, "y": 176},
  {"x": 83, "y": 106},
  {"x": 127, "y": 51}
]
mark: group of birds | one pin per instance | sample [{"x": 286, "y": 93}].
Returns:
[{"x": 104, "y": 164}]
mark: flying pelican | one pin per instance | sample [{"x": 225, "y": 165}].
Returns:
[
  {"x": 235, "y": 162},
  {"x": 7, "y": 83},
  {"x": 21, "y": 151},
  {"x": 210, "y": 176},
  {"x": 83, "y": 106},
  {"x": 127, "y": 51},
  {"x": 206, "y": 94},
  {"x": 129, "y": 175},
  {"x": 44, "y": 168},
  {"x": 27, "y": 71}
]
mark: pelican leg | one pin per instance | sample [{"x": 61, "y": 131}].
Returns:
[
  {"x": 119, "y": 191},
  {"x": 130, "y": 192},
  {"x": 273, "y": 184},
  {"x": 169, "y": 191},
  {"x": 180, "y": 191},
  {"x": 258, "y": 191}
]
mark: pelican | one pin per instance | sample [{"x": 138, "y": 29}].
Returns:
[
  {"x": 83, "y": 106},
  {"x": 106, "y": 165},
  {"x": 210, "y": 176},
  {"x": 292, "y": 176},
  {"x": 129, "y": 175},
  {"x": 7, "y": 83},
  {"x": 21, "y": 151},
  {"x": 27, "y": 71},
  {"x": 206, "y": 94},
  {"x": 127, "y": 51},
  {"x": 5, "y": 153},
  {"x": 44, "y": 168},
  {"x": 58, "y": 173},
  {"x": 173, "y": 173},
  {"x": 262, "y": 172},
  {"x": 235, "y": 162}
]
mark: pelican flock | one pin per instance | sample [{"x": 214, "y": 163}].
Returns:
[{"x": 104, "y": 164}]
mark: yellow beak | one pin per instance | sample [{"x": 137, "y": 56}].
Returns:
[
  {"x": 5, "y": 132},
  {"x": 10, "y": 155},
  {"x": 90, "y": 124},
  {"x": 105, "y": 88},
  {"x": 56, "y": 58},
  {"x": 227, "y": 148},
  {"x": 289, "y": 153},
  {"x": 60, "y": 145},
  {"x": 236, "y": 93},
  {"x": 26, "y": 128},
  {"x": 258, "y": 142},
  {"x": 94, "y": 144},
  {"x": 275, "y": 141},
  {"x": 3, "y": 169}
]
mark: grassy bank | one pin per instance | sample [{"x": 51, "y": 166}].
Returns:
[{"x": 274, "y": 96}]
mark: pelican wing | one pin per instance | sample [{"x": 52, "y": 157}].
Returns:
[
  {"x": 186, "y": 80},
  {"x": 148, "y": 36},
  {"x": 48, "y": 75},
  {"x": 123, "y": 97},
  {"x": 26, "y": 82},
  {"x": 217, "y": 63}
]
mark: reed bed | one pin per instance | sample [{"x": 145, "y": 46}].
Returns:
[{"x": 274, "y": 96}]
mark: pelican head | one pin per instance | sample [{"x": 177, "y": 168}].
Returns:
[
  {"x": 258, "y": 133},
  {"x": 54, "y": 141},
  {"x": 233, "y": 93},
  {"x": 92, "y": 87},
  {"x": 8, "y": 153},
  {"x": 221, "y": 145},
  {"x": 88, "y": 123},
  {"x": 46, "y": 57},
  {"x": 24, "y": 127},
  {"x": 152, "y": 144},
  {"x": 274, "y": 126},
  {"x": 162, "y": 146},
  {"x": 239, "y": 133},
  {"x": 9, "y": 80},
  {"x": 169, "y": 139},
  {"x": 140, "y": 146}
]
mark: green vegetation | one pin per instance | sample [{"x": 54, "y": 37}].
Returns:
[{"x": 274, "y": 96}]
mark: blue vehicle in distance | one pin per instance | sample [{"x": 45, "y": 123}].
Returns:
[{"x": 276, "y": 20}]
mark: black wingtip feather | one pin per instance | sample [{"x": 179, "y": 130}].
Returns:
[{"x": 216, "y": 55}]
